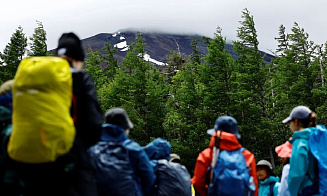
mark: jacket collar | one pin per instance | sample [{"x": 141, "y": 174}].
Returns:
[
  {"x": 269, "y": 180},
  {"x": 113, "y": 133},
  {"x": 228, "y": 141},
  {"x": 304, "y": 134}
]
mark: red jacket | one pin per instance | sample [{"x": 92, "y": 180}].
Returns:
[{"x": 228, "y": 142}]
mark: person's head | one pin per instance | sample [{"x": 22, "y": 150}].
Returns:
[
  {"x": 158, "y": 149},
  {"x": 70, "y": 48},
  {"x": 300, "y": 118},
  {"x": 175, "y": 158},
  {"x": 119, "y": 117},
  {"x": 284, "y": 152},
  {"x": 227, "y": 124},
  {"x": 264, "y": 170},
  {"x": 6, "y": 87},
  {"x": 6, "y": 94}
]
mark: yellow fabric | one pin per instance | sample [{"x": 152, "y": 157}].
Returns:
[
  {"x": 193, "y": 191},
  {"x": 43, "y": 129}
]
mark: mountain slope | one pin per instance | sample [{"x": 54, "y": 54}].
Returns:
[{"x": 158, "y": 45}]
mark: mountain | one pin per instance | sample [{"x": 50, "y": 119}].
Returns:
[{"x": 158, "y": 44}]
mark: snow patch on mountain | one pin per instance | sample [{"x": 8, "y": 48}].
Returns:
[
  {"x": 121, "y": 45},
  {"x": 148, "y": 58}
]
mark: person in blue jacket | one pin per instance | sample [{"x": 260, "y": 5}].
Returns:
[
  {"x": 158, "y": 149},
  {"x": 268, "y": 181},
  {"x": 115, "y": 132},
  {"x": 6, "y": 94},
  {"x": 172, "y": 178},
  {"x": 302, "y": 172}
]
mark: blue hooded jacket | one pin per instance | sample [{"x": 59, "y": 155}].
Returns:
[
  {"x": 6, "y": 100},
  {"x": 302, "y": 163},
  {"x": 264, "y": 186},
  {"x": 172, "y": 178},
  {"x": 144, "y": 173},
  {"x": 158, "y": 149}
]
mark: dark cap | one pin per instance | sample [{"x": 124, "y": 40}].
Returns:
[
  {"x": 118, "y": 116},
  {"x": 299, "y": 112},
  {"x": 227, "y": 124},
  {"x": 70, "y": 45}
]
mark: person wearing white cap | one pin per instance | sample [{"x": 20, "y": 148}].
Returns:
[
  {"x": 302, "y": 175},
  {"x": 268, "y": 181}
]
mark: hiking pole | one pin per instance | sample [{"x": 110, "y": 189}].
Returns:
[{"x": 215, "y": 154}]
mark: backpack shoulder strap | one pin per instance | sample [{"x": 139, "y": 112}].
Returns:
[{"x": 271, "y": 188}]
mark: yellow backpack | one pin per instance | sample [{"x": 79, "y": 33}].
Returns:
[{"x": 43, "y": 128}]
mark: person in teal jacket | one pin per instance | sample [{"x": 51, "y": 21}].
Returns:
[
  {"x": 268, "y": 181},
  {"x": 302, "y": 164}
]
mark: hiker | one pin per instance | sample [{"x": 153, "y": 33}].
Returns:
[
  {"x": 65, "y": 118},
  {"x": 172, "y": 178},
  {"x": 122, "y": 166},
  {"x": 268, "y": 181},
  {"x": 5, "y": 125},
  {"x": 175, "y": 158},
  {"x": 6, "y": 94},
  {"x": 302, "y": 172},
  {"x": 210, "y": 162},
  {"x": 284, "y": 152}
]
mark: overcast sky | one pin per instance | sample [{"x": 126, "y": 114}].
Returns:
[{"x": 90, "y": 17}]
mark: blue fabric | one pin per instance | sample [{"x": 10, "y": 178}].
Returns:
[
  {"x": 264, "y": 186},
  {"x": 158, "y": 149},
  {"x": 5, "y": 114},
  {"x": 318, "y": 147},
  {"x": 231, "y": 170},
  {"x": 302, "y": 163},
  {"x": 6, "y": 100},
  {"x": 144, "y": 175},
  {"x": 172, "y": 178}
]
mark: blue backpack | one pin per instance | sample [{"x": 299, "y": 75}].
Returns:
[
  {"x": 231, "y": 175},
  {"x": 114, "y": 173},
  {"x": 318, "y": 148}
]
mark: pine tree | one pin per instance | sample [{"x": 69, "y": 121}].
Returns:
[
  {"x": 249, "y": 90},
  {"x": 175, "y": 62},
  {"x": 110, "y": 61},
  {"x": 13, "y": 53},
  {"x": 38, "y": 43}
]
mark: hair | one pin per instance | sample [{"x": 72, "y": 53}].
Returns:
[
  {"x": 287, "y": 161},
  {"x": 270, "y": 172},
  {"x": 309, "y": 122}
]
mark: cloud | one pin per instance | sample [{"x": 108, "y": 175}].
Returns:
[{"x": 87, "y": 18}]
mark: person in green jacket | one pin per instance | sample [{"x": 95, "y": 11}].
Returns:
[
  {"x": 302, "y": 172},
  {"x": 268, "y": 181}
]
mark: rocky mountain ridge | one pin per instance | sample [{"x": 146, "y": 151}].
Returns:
[{"x": 158, "y": 44}]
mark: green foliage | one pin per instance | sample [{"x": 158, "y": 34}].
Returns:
[
  {"x": 13, "y": 54},
  {"x": 38, "y": 39},
  {"x": 182, "y": 100}
]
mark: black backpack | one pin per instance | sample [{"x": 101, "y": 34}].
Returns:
[
  {"x": 172, "y": 179},
  {"x": 114, "y": 174}
]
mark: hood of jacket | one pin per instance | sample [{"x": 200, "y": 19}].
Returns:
[
  {"x": 269, "y": 180},
  {"x": 228, "y": 141},
  {"x": 158, "y": 149},
  {"x": 113, "y": 133},
  {"x": 304, "y": 134}
]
